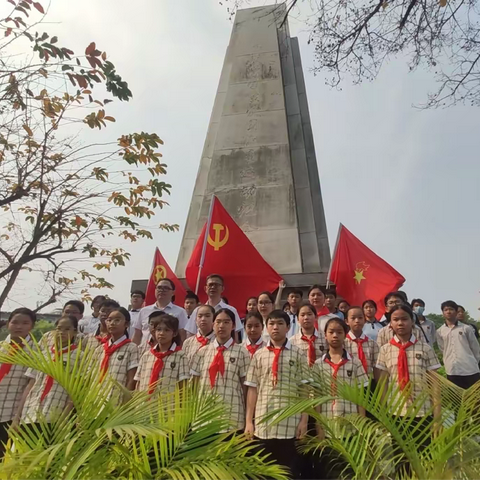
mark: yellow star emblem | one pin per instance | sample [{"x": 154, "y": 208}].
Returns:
[
  {"x": 160, "y": 272},
  {"x": 359, "y": 276}
]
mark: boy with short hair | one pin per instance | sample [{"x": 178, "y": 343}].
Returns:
[
  {"x": 276, "y": 372},
  {"x": 89, "y": 323},
  {"x": 191, "y": 303},
  {"x": 426, "y": 325},
  {"x": 460, "y": 348},
  {"x": 331, "y": 303}
]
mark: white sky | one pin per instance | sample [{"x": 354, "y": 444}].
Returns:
[{"x": 403, "y": 180}]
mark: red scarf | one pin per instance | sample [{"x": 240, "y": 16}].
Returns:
[
  {"x": 6, "y": 367},
  {"x": 336, "y": 368},
  {"x": 311, "y": 354},
  {"x": 158, "y": 366},
  {"x": 402, "y": 364},
  {"x": 276, "y": 358},
  {"x": 55, "y": 355},
  {"x": 361, "y": 353},
  {"x": 203, "y": 340},
  {"x": 252, "y": 348},
  {"x": 102, "y": 339},
  {"x": 217, "y": 365},
  {"x": 108, "y": 351},
  {"x": 321, "y": 313}
]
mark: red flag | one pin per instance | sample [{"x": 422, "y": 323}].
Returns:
[
  {"x": 230, "y": 253},
  {"x": 161, "y": 270},
  {"x": 359, "y": 274}
]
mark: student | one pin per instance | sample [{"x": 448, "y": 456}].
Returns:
[
  {"x": 191, "y": 303},
  {"x": 13, "y": 381},
  {"x": 152, "y": 341},
  {"x": 343, "y": 306},
  {"x": 275, "y": 373},
  {"x": 214, "y": 289},
  {"x": 89, "y": 323},
  {"x": 426, "y": 325},
  {"x": 43, "y": 396},
  {"x": 331, "y": 301},
  {"x": 252, "y": 305},
  {"x": 101, "y": 336},
  {"x": 253, "y": 330},
  {"x": 357, "y": 343},
  {"x": 164, "y": 366},
  {"x": 118, "y": 355},
  {"x": 309, "y": 339},
  {"x": 294, "y": 300},
  {"x": 164, "y": 293},
  {"x": 372, "y": 325},
  {"x": 316, "y": 297},
  {"x": 74, "y": 308},
  {"x": 137, "y": 299},
  {"x": 460, "y": 348},
  {"x": 221, "y": 367},
  {"x": 461, "y": 318},
  {"x": 205, "y": 333},
  {"x": 266, "y": 305}
]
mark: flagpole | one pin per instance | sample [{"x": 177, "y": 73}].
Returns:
[
  {"x": 333, "y": 256},
  {"x": 205, "y": 241}
]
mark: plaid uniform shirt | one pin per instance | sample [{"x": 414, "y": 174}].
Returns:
[
  {"x": 48, "y": 340},
  {"x": 229, "y": 386},
  {"x": 191, "y": 345},
  {"x": 12, "y": 385},
  {"x": 55, "y": 401},
  {"x": 386, "y": 334},
  {"x": 261, "y": 342},
  {"x": 292, "y": 373},
  {"x": 175, "y": 369},
  {"x": 351, "y": 373},
  {"x": 320, "y": 343},
  {"x": 370, "y": 348},
  {"x": 420, "y": 359}
]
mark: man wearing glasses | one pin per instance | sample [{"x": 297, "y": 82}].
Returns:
[
  {"x": 164, "y": 292},
  {"x": 214, "y": 289}
]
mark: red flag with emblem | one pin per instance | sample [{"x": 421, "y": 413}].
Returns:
[
  {"x": 160, "y": 270},
  {"x": 360, "y": 274},
  {"x": 228, "y": 252}
]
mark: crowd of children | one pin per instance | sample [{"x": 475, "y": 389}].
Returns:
[{"x": 254, "y": 365}]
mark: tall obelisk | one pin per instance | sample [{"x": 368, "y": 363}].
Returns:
[{"x": 259, "y": 156}]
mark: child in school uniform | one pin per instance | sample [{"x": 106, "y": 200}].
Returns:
[
  {"x": 221, "y": 367},
  {"x": 101, "y": 335},
  {"x": 275, "y": 373},
  {"x": 309, "y": 340},
  {"x": 165, "y": 365},
  {"x": 13, "y": 381},
  {"x": 372, "y": 325},
  {"x": 151, "y": 340},
  {"x": 204, "y": 335},
  {"x": 254, "y": 330}
]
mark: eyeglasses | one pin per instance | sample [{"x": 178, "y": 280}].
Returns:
[
  {"x": 214, "y": 285},
  {"x": 393, "y": 304},
  {"x": 164, "y": 289}
]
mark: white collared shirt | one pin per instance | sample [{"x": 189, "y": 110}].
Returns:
[
  {"x": 89, "y": 324},
  {"x": 133, "y": 319},
  {"x": 294, "y": 325},
  {"x": 227, "y": 344},
  {"x": 288, "y": 345},
  {"x": 27, "y": 339},
  {"x": 141, "y": 322},
  {"x": 428, "y": 328},
  {"x": 412, "y": 339},
  {"x": 191, "y": 324},
  {"x": 247, "y": 341},
  {"x": 116, "y": 342},
  {"x": 323, "y": 319},
  {"x": 352, "y": 336}
]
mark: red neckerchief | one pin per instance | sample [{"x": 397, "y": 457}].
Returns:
[
  {"x": 252, "y": 348},
  {"x": 108, "y": 351},
  {"x": 311, "y": 354},
  {"x": 402, "y": 363},
  {"x": 321, "y": 313},
  {"x": 336, "y": 368},
  {"x": 217, "y": 365},
  {"x": 55, "y": 355},
  {"x": 103, "y": 339},
  {"x": 6, "y": 367},
  {"x": 202, "y": 340},
  {"x": 276, "y": 358},
  {"x": 158, "y": 366},
  {"x": 361, "y": 353}
]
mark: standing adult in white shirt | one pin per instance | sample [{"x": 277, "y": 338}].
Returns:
[
  {"x": 137, "y": 298},
  {"x": 89, "y": 323},
  {"x": 164, "y": 292},
  {"x": 214, "y": 289}
]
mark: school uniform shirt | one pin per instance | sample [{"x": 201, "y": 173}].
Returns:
[
  {"x": 253, "y": 348},
  {"x": 302, "y": 342},
  {"x": 292, "y": 374},
  {"x": 12, "y": 381},
  {"x": 460, "y": 349},
  {"x": 88, "y": 324},
  {"x": 386, "y": 334},
  {"x": 192, "y": 321},
  {"x": 145, "y": 347},
  {"x": 420, "y": 359},
  {"x": 294, "y": 325},
  {"x": 55, "y": 401},
  {"x": 323, "y": 319},
  {"x": 133, "y": 319},
  {"x": 193, "y": 344},
  {"x": 349, "y": 372},
  {"x": 429, "y": 330},
  {"x": 141, "y": 322},
  {"x": 371, "y": 329},
  {"x": 370, "y": 350},
  {"x": 175, "y": 369},
  {"x": 227, "y": 386}
]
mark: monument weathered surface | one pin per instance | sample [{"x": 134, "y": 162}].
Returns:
[{"x": 259, "y": 156}]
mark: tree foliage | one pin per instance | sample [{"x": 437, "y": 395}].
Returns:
[{"x": 63, "y": 201}]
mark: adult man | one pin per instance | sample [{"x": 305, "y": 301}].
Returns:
[
  {"x": 214, "y": 289},
  {"x": 89, "y": 323},
  {"x": 164, "y": 292},
  {"x": 137, "y": 297},
  {"x": 191, "y": 303}
]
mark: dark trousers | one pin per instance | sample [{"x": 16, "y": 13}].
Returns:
[
  {"x": 283, "y": 452},
  {"x": 4, "y": 426},
  {"x": 464, "y": 381}
]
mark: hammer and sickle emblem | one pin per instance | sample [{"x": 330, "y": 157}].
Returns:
[
  {"x": 160, "y": 272},
  {"x": 217, "y": 243}
]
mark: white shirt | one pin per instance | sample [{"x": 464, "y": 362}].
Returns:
[
  {"x": 323, "y": 319},
  {"x": 428, "y": 328},
  {"x": 294, "y": 325},
  {"x": 371, "y": 329},
  {"x": 460, "y": 349},
  {"x": 141, "y": 322},
  {"x": 191, "y": 325},
  {"x": 89, "y": 324},
  {"x": 133, "y": 319}
]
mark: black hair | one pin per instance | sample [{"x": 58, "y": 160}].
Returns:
[
  {"x": 389, "y": 295},
  {"x": 314, "y": 287},
  {"x": 285, "y": 305},
  {"x": 124, "y": 312},
  {"x": 73, "y": 319},
  {"x": 406, "y": 308},
  {"x": 308, "y": 305},
  {"x": 109, "y": 303},
  {"x": 296, "y": 291},
  {"x": 192, "y": 296},
  {"x": 76, "y": 303},
  {"x": 353, "y": 307},
  {"x": 330, "y": 291},
  {"x": 371, "y": 302},
  {"x": 23, "y": 311},
  {"x": 208, "y": 306},
  {"x": 215, "y": 275},
  {"x": 230, "y": 314},
  {"x": 155, "y": 314},
  {"x": 460, "y": 307},
  {"x": 342, "y": 301},
  {"x": 138, "y": 292},
  {"x": 279, "y": 315},
  {"x": 172, "y": 284},
  {"x": 417, "y": 300},
  {"x": 170, "y": 322},
  {"x": 254, "y": 315},
  {"x": 225, "y": 300},
  {"x": 99, "y": 298},
  {"x": 339, "y": 321},
  {"x": 403, "y": 295},
  {"x": 269, "y": 295},
  {"x": 449, "y": 303},
  {"x": 251, "y": 298}
]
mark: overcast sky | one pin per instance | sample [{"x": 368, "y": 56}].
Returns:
[{"x": 405, "y": 181}]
